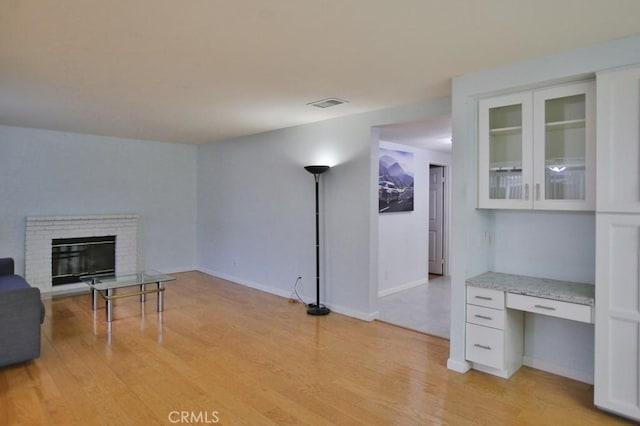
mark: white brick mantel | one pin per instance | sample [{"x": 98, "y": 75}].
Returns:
[{"x": 41, "y": 230}]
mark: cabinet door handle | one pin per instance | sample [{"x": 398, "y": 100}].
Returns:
[
  {"x": 526, "y": 192},
  {"x": 484, "y": 298},
  {"x": 548, "y": 308},
  {"x": 478, "y": 345},
  {"x": 484, "y": 317},
  {"x": 537, "y": 192}
]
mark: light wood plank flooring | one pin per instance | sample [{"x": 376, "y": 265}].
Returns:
[{"x": 257, "y": 359}]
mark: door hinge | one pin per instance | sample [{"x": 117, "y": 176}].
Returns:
[{"x": 442, "y": 261}]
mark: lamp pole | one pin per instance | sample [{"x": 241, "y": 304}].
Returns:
[{"x": 317, "y": 308}]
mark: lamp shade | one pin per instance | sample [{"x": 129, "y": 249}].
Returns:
[{"x": 316, "y": 170}]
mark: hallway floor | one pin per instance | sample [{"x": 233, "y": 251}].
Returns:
[{"x": 423, "y": 308}]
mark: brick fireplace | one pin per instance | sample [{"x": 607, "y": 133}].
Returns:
[{"x": 42, "y": 230}]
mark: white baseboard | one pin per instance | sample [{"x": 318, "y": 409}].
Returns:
[
  {"x": 352, "y": 313},
  {"x": 246, "y": 283},
  {"x": 287, "y": 294},
  {"x": 490, "y": 370},
  {"x": 581, "y": 376},
  {"x": 179, "y": 270},
  {"x": 402, "y": 287},
  {"x": 459, "y": 366},
  {"x": 65, "y": 290}
]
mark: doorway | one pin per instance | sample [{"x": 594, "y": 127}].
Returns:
[
  {"x": 413, "y": 245},
  {"x": 437, "y": 190}
]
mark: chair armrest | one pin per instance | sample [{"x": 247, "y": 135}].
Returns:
[
  {"x": 20, "y": 319},
  {"x": 6, "y": 266}
]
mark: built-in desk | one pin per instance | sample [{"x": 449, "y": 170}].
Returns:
[{"x": 495, "y": 323}]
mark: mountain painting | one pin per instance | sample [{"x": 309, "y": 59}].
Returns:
[{"x": 395, "y": 181}]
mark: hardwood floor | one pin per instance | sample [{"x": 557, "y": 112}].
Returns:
[{"x": 229, "y": 353}]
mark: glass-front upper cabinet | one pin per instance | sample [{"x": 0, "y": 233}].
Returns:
[
  {"x": 504, "y": 155},
  {"x": 564, "y": 149},
  {"x": 536, "y": 149}
]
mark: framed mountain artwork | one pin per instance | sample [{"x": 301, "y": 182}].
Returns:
[{"x": 395, "y": 181}]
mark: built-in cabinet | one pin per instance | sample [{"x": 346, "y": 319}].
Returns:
[
  {"x": 496, "y": 303},
  {"x": 617, "y": 330},
  {"x": 618, "y": 150},
  {"x": 494, "y": 334},
  {"x": 536, "y": 149}
]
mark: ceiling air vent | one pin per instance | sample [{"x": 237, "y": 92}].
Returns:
[{"x": 326, "y": 103}]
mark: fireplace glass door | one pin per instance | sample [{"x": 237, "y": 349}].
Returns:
[{"x": 73, "y": 257}]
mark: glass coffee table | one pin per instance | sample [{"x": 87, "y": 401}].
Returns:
[{"x": 106, "y": 285}]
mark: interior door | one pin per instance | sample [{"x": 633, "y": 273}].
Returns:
[{"x": 436, "y": 220}]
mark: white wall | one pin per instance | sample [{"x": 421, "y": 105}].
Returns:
[
  {"x": 556, "y": 245},
  {"x": 55, "y": 173},
  {"x": 473, "y": 254},
  {"x": 403, "y": 260},
  {"x": 256, "y": 207}
]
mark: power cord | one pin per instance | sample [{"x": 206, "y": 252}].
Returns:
[{"x": 295, "y": 291}]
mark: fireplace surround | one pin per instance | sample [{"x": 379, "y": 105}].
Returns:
[{"x": 41, "y": 231}]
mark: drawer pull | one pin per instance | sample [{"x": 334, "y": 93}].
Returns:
[
  {"x": 548, "y": 308},
  {"x": 478, "y": 345},
  {"x": 484, "y": 298},
  {"x": 484, "y": 317}
]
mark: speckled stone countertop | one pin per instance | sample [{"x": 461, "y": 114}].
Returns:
[{"x": 566, "y": 291}]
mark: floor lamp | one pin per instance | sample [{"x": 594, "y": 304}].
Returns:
[{"x": 317, "y": 308}]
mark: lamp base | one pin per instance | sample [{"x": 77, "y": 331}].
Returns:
[{"x": 313, "y": 309}]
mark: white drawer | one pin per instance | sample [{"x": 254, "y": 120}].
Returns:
[
  {"x": 485, "y": 316},
  {"x": 485, "y": 297},
  {"x": 554, "y": 308},
  {"x": 485, "y": 346}
]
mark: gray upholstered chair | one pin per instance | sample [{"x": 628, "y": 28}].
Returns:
[{"x": 21, "y": 314}]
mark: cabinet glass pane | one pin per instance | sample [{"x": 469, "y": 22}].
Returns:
[
  {"x": 565, "y": 148},
  {"x": 505, "y": 152}
]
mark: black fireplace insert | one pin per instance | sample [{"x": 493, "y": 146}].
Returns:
[{"x": 74, "y": 257}]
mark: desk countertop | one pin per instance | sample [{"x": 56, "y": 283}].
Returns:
[{"x": 567, "y": 291}]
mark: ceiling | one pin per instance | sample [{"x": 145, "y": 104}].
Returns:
[
  {"x": 433, "y": 133},
  {"x": 200, "y": 71}
]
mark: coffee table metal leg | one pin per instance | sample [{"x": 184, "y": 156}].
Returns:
[
  {"x": 160, "y": 297},
  {"x": 142, "y": 295},
  {"x": 94, "y": 299},
  {"x": 109, "y": 305}
]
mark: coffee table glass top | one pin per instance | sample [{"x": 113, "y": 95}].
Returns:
[{"x": 105, "y": 282}]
